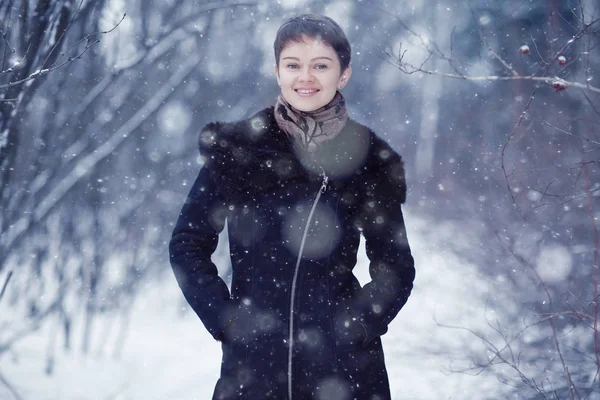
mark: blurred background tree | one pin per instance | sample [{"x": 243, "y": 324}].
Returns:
[{"x": 523, "y": 142}]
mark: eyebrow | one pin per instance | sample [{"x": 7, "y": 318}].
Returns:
[{"x": 316, "y": 58}]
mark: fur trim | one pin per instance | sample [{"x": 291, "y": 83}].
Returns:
[
  {"x": 253, "y": 155},
  {"x": 247, "y": 157}
]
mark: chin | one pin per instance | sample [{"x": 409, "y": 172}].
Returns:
[{"x": 308, "y": 105}]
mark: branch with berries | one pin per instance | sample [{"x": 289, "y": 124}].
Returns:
[{"x": 433, "y": 51}]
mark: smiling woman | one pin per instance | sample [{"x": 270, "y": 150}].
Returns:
[
  {"x": 297, "y": 185},
  {"x": 310, "y": 74}
]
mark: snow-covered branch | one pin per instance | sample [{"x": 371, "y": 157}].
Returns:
[{"x": 433, "y": 51}]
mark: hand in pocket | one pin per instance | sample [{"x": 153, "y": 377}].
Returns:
[{"x": 349, "y": 330}]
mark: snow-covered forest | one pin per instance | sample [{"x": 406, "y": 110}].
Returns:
[{"x": 494, "y": 105}]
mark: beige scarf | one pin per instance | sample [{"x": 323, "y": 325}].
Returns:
[{"x": 310, "y": 129}]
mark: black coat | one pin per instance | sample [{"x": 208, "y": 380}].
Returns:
[{"x": 293, "y": 238}]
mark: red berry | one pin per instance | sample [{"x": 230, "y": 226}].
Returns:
[{"x": 559, "y": 85}]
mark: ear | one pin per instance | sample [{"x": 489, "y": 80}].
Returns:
[
  {"x": 345, "y": 77},
  {"x": 277, "y": 74}
]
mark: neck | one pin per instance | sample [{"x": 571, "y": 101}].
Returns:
[{"x": 312, "y": 128}]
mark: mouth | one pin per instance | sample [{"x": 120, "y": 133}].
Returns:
[{"x": 306, "y": 92}]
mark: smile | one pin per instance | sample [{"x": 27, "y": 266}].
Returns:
[{"x": 306, "y": 92}]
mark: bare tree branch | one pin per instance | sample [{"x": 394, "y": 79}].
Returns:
[
  {"x": 87, "y": 164},
  {"x": 41, "y": 72}
]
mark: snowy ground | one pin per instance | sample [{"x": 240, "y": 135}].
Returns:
[{"x": 169, "y": 356}]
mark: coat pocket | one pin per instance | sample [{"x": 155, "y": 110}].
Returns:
[
  {"x": 349, "y": 332},
  {"x": 230, "y": 332}
]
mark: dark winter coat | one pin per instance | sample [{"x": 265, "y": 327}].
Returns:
[{"x": 288, "y": 280}]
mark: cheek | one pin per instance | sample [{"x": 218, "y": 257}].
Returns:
[
  {"x": 286, "y": 80},
  {"x": 333, "y": 82}
]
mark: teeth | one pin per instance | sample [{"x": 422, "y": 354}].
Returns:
[{"x": 305, "y": 91}]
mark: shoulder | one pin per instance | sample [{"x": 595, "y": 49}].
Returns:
[
  {"x": 384, "y": 166},
  {"x": 219, "y": 137},
  {"x": 238, "y": 155}
]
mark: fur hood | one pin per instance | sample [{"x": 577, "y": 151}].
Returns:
[{"x": 252, "y": 156}]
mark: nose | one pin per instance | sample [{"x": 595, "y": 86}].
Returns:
[{"x": 306, "y": 75}]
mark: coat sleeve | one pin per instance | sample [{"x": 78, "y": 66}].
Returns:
[
  {"x": 391, "y": 265},
  {"x": 194, "y": 240}
]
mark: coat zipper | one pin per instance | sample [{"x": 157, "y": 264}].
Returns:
[{"x": 322, "y": 190}]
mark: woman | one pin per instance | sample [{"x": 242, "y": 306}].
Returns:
[{"x": 296, "y": 185}]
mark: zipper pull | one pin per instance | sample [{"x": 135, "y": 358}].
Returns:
[{"x": 325, "y": 181}]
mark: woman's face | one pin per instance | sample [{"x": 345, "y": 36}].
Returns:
[{"x": 309, "y": 74}]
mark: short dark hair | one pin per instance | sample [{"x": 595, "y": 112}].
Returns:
[{"x": 313, "y": 26}]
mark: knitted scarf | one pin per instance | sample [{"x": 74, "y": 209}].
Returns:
[{"x": 310, "y": 129}]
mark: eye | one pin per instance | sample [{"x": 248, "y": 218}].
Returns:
[
  {"x": 321, "y": 66},
  {"x": 292, "y": 66}
]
